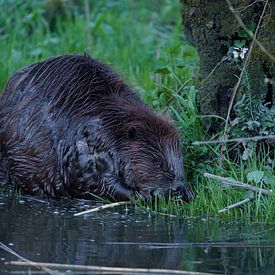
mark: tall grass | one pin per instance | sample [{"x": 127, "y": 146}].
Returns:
[{"x": 144, "y": 41}]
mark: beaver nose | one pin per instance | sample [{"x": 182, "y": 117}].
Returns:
[
  {"x": 177, "y": 186},
  {"x": 182, "y": 189}
]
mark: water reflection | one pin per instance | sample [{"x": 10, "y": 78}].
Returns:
[{"x": 48, "y": 232}]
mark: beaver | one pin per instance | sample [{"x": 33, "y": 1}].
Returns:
[{"x": 71, "y": 126}]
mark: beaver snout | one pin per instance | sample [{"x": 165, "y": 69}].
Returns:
[
  {"x": 177, "y": 189},
  {"x": 182, "y": 189}
]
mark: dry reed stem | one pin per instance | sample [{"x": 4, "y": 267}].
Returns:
[{"x": 102, "y": 207}]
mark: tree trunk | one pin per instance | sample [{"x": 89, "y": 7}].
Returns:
[{"x": 213, "y": 29}]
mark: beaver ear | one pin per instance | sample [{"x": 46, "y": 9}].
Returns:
[{"x": 132, "y": 133}]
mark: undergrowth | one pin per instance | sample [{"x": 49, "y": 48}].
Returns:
[{"x": 143, "y": 40}]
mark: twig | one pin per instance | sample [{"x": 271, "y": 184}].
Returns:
[
  {"x": 27, "y": 261},
  {"x": 193, "y": 244},
  {"x": 32, "y": 198},
  {"x": 102, "y": 207},
  {"x": 246, "y": 7},
  {"x": 120, "y": 270},
  {"x": 259, "y": 197},
  {"x": 236, "y": 87},
  {"x": 214, "y": 69},
  {"x": 256, "y": 138},
  {"x": 238, "y": 184},
  {"x": 236, "y": 204},
  {"x": 210, "y": 116},
  {"x": 250, "y": 33}
]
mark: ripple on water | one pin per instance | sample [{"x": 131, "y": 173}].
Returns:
[{"x": 46, "y": 230}]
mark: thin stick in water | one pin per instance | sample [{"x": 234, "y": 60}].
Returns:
[
  {"x": 235, "y": 205},
  {"x": 102, "y": 207},
  {"x": 122, "y": 270}
]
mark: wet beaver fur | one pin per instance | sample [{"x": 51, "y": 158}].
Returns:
[{"x": 70, "y": 126}]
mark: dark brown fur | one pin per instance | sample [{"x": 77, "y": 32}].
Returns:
[{"x": 71, "y": 126}]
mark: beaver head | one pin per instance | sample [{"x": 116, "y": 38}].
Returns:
[{"x": 149, "y": 152}]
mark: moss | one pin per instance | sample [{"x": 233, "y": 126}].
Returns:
[{"x": 207, "y": 30}]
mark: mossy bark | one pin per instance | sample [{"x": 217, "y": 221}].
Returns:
[{"x": 212, "y": 28}]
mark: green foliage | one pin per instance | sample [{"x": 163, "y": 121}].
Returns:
[
  {"x": 253, "y": 116},
  {"x": 255, "y": 176}
]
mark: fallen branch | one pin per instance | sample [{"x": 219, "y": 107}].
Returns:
[
  {"x": 256, "y": 138},
  {"x": 238, "y": 184},
  {"x": 113, "y": 270},
  {"x": 236, "y": 204},
  {"x": 102, "y": 207}
]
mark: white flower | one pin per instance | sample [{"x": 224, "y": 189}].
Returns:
[
  {"x": 244, "y": 51},
  {"x": 235, "y": 54}
]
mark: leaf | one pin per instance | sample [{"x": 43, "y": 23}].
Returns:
[
  {"x": 255, "y": 176},
  {"x": 162, "y": 70},
  {"x": 246, "y": 154},
  {"x": 239, "y": 43},
  {"x": 270, "y": 180}
]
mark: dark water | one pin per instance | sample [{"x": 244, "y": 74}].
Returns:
[{"x": 120, "y": 237}]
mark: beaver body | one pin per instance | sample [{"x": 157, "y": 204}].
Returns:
[{"x": 70, "y": 126}]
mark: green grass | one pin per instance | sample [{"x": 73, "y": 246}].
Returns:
[{"x": 143, "y": 40}]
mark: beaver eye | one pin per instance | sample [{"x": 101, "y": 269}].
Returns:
[
  {"x": 157, "y": 163},
  {"x": 132, "y": 133}
]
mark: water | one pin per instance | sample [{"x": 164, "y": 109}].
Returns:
[{"x": 48, "y": 232}]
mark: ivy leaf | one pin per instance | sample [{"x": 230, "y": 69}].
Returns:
[{"x": 255, "y": 176}]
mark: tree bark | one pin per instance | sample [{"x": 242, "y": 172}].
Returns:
[{"x": 213, "y": 29}]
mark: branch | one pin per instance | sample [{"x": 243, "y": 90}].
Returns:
[
  {"x": 236, "y": 204},
  {"x": 238, "y": 184},
  {"x": 256, "y": 138},
  {"x": 102, "y": 207}
]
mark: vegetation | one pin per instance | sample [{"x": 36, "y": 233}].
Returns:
[{"x": 143, "y": 40}]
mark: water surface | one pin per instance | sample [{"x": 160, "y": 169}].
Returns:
[{"x": 47, "y": 231}]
